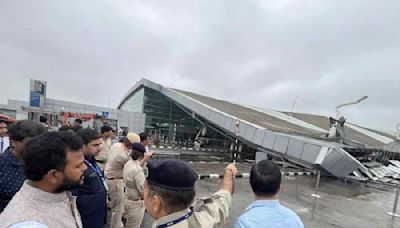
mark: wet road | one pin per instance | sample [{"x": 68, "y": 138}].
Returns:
[{"x": 340, "y": 205}]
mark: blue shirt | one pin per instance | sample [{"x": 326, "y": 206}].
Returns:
[
  {"x": 268, "y": 213},
  {"x": 12, "y": 177},
  {"x": 92, "y": 197}
]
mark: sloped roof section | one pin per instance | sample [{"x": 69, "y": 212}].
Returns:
[
  {"x": 295, "y": 136},
  {"x": 279, "y": 125},
  {"x": 261, "y": 119}
]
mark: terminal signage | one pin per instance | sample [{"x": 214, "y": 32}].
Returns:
[
  {"x": 105, "y": 114},
  {"x": 78, "y": 115},
  {"x": 35, "y": 99},
  {"x": 37, "y": 94}
]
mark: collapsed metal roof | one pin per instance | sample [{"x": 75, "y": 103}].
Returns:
[
  {"x": 295, "y": 136},
  {"x": 393, "y": 147},
  {"x": 313, "y": 125}
]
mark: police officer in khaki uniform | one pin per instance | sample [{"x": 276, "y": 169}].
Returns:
[
  {"x": 106, "y": 142},
  {"x": 134, "y": 179},
  {"x": 169, "y": 192},
  {"x": 118, "y": 157}
]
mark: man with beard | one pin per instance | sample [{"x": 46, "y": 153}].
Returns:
[
  {"x": 92, "y": 195},
  {"x": 12, "y": 174},
  {"x": 53, "y": 163}
]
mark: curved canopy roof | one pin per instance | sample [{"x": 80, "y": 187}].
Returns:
[{"x": 293, "y": 135}]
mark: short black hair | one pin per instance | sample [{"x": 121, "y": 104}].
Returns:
[
  {"x": 105, "y": 128},
  {"x": 78, "y": 121},
  {"x": 88, "y": 135},
  {"x": 265, "y": 178},
  {"x": 25, "y": 129},
  {"x": 42, "y": 119},
  {"x": 143, "y": 136},
  {"x": 174, "y": 200},
  {"x": 76, "y": 128},
  {"x": 125, "y": 132},
  {"x": 136, "y": 155},
  {"x": 48, "y": 151}
]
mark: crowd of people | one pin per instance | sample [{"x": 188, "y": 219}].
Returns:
[{"x": 72, "y": 177}]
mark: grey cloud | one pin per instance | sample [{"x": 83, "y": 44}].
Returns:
[{"x": 261, "y": 53}]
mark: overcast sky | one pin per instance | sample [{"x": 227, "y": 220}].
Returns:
[{"x": 262, "y": 53}]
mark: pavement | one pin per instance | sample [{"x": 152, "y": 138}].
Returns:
[{"x": 340, "y": 204}]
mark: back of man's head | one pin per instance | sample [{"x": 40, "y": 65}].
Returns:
[
  {"x": 173, "y": 181},
  {"x": 78, "y": 121},
  {"x": 265, "y": 178},
  {"x": 138, "y": 151},
  {"x": 43, "y": 119},
  {"x": 48, "y": 151},
  {"x": 88, "y": 135},
  {"x": 143, "y": 136},
  {"x": 105, "y": 129},
  {"x": 25, "y": 129}
]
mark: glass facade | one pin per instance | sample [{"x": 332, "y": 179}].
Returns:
[
  {"x": 171, "y": 125},
  {"x": 135, "y": 102},
  {"x": 165, "y": 121}
]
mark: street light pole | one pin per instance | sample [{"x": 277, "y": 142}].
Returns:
[{"x": 347, "y": 104}]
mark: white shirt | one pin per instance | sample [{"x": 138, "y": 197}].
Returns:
[
  {"x": 37, "y": 208},
  {"x": 6, "y": 143},
  {"x": 29, "y": 224}
]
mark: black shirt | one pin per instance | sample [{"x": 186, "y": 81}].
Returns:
[
  {"x": 92, "y": 197},
  {"x": 12, "y": 177}
]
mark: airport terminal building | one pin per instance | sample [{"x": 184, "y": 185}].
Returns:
[
  {"x": 60, "y": 112},
  {"x": 183, "y": 118}
]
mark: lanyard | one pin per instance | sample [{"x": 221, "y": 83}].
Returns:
[
  {"x": 98, "y": 172},
  {"x": 176, "y": 220}
]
